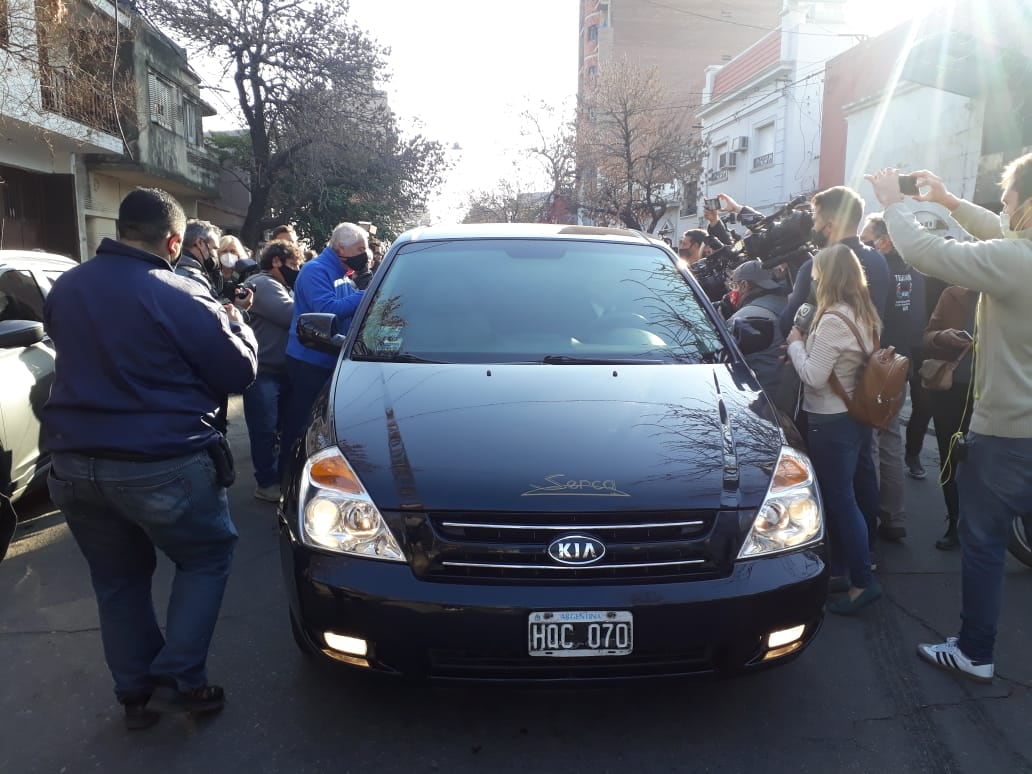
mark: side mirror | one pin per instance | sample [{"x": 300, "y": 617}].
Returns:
[
  {"x": 318, "y": 331},
  {"x": 20, "y": 333}
]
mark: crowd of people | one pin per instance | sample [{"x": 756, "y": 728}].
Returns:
[
  {"x": 153, "y": 335},
  {"x": 955, "y": 310},
  {"x": 157, "y": 331}
]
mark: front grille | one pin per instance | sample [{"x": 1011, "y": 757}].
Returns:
[{"x": 514, "y": 547}]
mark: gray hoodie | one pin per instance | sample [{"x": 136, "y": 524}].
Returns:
[{"x": 270, "y": 317}]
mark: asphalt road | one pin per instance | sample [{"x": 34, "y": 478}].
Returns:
[{"x": 857, "y": 701}]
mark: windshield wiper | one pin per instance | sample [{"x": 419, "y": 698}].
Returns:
[
  {"x": 403, "y": 357},
  {"x": 568, "y": 360}
]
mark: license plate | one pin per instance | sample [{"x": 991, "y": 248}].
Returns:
[{"x": 581, "y": 633}]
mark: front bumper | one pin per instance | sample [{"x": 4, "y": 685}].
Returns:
[{"x": 479, "y": 631}]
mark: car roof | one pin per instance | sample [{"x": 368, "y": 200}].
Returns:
[
  {"x": 526, "y": 231},
  {"x": 24, "y": 259}
]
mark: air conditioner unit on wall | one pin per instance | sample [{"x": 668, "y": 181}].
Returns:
[
  {"x": 740, "y": 144},
  {"x": 728, "y": 161}
]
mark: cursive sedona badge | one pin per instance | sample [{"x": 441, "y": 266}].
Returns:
[{"x": 561, "y": 485}]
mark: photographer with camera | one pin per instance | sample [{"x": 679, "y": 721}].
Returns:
[
  {"x": 995, "y": 480},
  {"x": 271, "y": 315},
  {"x": 758, "y": 300},
  {"x": 836, "y": 220}
]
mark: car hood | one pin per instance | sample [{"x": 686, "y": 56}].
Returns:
[{"x": 546, "y": 438}]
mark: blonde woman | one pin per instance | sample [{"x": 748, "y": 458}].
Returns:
[
  {"x": 839, "y": 446},
  {"x": 231, "y": 250}
]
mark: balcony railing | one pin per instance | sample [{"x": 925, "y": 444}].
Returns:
[
  {"x": 64, "y": 94},
  {"x": 764, "y": 161}
]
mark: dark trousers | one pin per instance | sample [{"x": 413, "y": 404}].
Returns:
[
  {"x": 951, "y": 410},
  {"x": 920, "y": 413},
  {"x": 264, "y": 402},
  {"x": 118, "y": 513},
  {"x": 304, "y": 383},
  {"x": 840, "y": 451}
]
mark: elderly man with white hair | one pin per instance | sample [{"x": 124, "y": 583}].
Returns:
[{"x": 322, "y": 286}]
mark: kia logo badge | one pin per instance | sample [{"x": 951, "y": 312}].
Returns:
[{"x": 576, "y": 549}]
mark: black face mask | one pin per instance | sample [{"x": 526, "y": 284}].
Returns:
[
  {"x": 871, "y": 245},
  {"x": 289, "y": 276},
  {"x": 358, "y": 262}
]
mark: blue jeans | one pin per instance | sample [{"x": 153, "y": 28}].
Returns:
[
  {"x": 304, "y": 383},
  {"x": 995, "y": 486},
  {"x": 840, "y": 451},
  {"x": 263, "y": 411},
  {"x": 118, "y": 513}
]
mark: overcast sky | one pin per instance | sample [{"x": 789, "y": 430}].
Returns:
[{"x": 466, "y": 68}]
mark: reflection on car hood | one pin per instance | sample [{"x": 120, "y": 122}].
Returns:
[{"x": 545, "y": 438}]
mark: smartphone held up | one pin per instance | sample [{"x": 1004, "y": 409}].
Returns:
[{"x": 908, "y": 185}]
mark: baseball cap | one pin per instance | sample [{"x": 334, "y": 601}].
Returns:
[{"x": 754, "y": 273}]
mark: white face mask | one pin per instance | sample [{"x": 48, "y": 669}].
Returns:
[
  {"x": 228, "y": 260},
  {"x": 1010, "y": 233}
]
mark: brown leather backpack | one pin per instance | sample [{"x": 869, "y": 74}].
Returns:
[{"x": 880, "y": 386}]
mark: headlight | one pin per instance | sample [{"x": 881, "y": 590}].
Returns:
[
  {"x": 336, "y": 512},
  {"x": 791, "y": 515}
]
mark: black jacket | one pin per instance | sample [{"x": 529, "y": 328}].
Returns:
[{"x": 145, "y": 358}]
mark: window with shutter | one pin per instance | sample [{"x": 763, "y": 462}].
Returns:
[{"x": 163, "y": 107}]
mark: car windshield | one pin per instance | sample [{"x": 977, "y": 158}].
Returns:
[{"x": 554, "y": 302}]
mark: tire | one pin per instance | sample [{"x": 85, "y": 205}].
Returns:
[{"x": 1019, "y": 545}]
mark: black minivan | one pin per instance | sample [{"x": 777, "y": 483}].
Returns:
[{"x": 541, "y": 457}]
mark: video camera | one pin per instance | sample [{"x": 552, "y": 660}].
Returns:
[{"x": 780, "y": 238}]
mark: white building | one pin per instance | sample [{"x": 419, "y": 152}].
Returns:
[
  {"x": 883, "y": 132},
  {"x": 761, "y": 112}
]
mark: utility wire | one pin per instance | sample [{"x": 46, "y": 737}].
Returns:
[{"x": 746, "y": 25}]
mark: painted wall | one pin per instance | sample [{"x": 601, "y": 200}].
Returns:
[{"x": 917, "y": 128}]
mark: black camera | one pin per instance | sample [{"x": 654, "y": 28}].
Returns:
[{"x": 783, "y": 237}]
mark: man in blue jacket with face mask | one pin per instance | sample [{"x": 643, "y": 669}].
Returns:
[{"x": 322, "y": 286}]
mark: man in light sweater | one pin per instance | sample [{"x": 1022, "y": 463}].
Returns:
[{"x": 995, "y": 480}]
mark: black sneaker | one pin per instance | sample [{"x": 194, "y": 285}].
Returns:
[
  {"x": 166, "y": 699},
  {"x": 914, "y": 468},
  {"x": 138, "y": 717},
  {"x": 894, "y": 533}
]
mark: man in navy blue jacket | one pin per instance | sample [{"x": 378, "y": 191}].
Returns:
[
  {"x": 322, "y": 286},
  {"x": 144, "y": 360},
  {"x": 836, "y": 218}
]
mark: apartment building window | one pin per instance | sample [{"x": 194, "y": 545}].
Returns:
[
  {"x": 163, "y": 101},
  {"x": 604, "y": 10},
  {"x": 593, "y": 32},
  {"x": 191, "y": 123},
  {"x": 592, "y": 72},
  {"x": 763, "y": 146}
]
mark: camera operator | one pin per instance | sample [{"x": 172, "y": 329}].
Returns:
[
  {"x": 758, "y": 300},
  {"x": 995, "y": 480},
  {"x": 836, "y": 219}
]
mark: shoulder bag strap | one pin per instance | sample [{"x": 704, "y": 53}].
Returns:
[{"x": 833, "y": 380}]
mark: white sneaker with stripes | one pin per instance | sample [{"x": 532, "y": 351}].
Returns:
[{"x": 948, "y": 655}]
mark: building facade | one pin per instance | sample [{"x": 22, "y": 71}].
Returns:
[
  {"x": 945, "y": 94},
  {"x": 164, "y": 138},
  {"x": 98, "y": 102},
  {"x": 761, "y": 113},
  {"x": 680, "y": 38},
  {"x": 47, "y": 121}
]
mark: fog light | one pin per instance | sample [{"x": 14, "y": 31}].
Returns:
[
  {"x": 784, "y": 636},
  {"x": 350, "y": 645}
]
